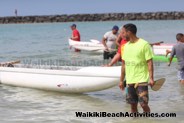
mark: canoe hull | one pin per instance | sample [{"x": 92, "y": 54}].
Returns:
[
  {"x": 99, "y": 48},
  {"x": 87, "y": 46},
  {"x": 65, "y": 81},
  {"x": 161, "y": 49},
  {"x": 162, "y": 58}
]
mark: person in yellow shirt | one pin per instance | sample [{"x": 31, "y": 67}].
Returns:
[{"x": 138, "y": 66}]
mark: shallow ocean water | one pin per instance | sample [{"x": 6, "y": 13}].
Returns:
[{"x": 47, "y": 43}]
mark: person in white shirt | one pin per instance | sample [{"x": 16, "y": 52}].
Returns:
[{"x": 109, "y": 42}]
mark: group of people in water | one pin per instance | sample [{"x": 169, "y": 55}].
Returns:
[{"x": 137, "y": 61}]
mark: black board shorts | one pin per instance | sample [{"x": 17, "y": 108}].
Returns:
[{"x": 108, "y": 55}]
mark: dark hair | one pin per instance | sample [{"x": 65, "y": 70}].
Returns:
[
  {"x": 179, "y": 36},
  {"x": 131, "y": 27}
]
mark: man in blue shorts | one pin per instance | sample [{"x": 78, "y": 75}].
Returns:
[{"x": 178, "y": 50}]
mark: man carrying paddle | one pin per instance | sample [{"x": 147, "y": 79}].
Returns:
[
  {"x": 178, "y": 50},
  {"x": 138, "y": 66}
]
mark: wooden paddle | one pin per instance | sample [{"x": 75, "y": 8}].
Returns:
[
  {"x": 8, "y": 63},
  {"x": 157, "y": 84},
  {"x": 156, "y": 43}
]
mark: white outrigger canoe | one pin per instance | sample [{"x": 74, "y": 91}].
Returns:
[
  {"x": 161, "y": 49},
  {"x": 96, "y": 46},
  {"x": 87, "y": 79}
]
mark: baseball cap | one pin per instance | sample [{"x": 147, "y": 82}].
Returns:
[
  {"x": 115, "y": 28},
  {"x": 73, "y": 25}
]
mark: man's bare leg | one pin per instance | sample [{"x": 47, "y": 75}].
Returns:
[
  {"x": 134, "y": 108},
  {"x": 145, "y": 107}
]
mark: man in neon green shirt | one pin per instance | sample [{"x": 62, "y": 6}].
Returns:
[{"x": 138, "y": 66}]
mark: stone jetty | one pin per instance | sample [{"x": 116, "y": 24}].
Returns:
[{"x": 94, "y": 17}]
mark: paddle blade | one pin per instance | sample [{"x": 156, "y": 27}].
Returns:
[{"x": 158, "y": 84}]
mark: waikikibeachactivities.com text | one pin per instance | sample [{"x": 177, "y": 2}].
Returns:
[
  {"x": 59, "y": 62},
  {"x": 121, "y": 114}
]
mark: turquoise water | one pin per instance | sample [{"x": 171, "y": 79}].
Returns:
[{"x": 48, "y": 42}]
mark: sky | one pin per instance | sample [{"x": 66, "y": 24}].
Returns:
[{"x": 59, "y": 7}]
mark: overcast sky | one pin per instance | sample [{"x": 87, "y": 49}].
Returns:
[{"x": 53, "y": 7}]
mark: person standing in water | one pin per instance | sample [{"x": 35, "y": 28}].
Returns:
[
  {"x": 119, "y": 52},
  {"x": 138, "y": 66},
  {"x": 75, "y": 35},
  {"x": 178, "y": 50},
  {"x": 109, "y": 42}
]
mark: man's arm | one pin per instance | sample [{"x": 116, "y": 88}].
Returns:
[
  {"x": 170, "y": 60},
  {"x": 151, "y": 71},
  {"x": 119, "y": 38},
  {"x": 167, "y": 52},
  {"x": 121, "y": 84},
  {"x": 171, "y": 56},
  {"x": 104, "y": 40},
  {"x": 75, "y": 37},
  {"x": 115, "y": 59}
]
